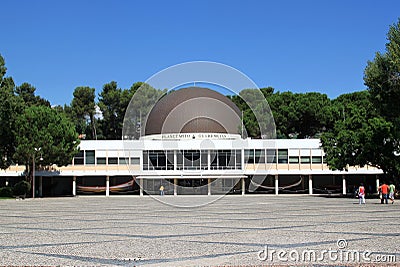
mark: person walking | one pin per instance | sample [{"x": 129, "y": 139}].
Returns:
[
  {"x": 361, "y": 194},
  {"x": 384, "y": 189},
  {"x": 392, "y": 191},
  {"x": 161, "y": 190}
]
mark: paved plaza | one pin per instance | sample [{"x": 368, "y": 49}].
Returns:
[{"x": 232, "y": 231}]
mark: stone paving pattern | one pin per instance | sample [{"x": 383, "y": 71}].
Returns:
[{"x": 141, "y": 231}]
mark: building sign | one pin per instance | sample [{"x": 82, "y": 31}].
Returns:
[{"x": 189, "y": 136}]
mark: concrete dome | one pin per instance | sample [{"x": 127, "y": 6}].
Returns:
[{"x": 194, "y": 110}]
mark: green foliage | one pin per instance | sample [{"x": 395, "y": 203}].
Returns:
[
  {"x": 284, "y": 110},
  {"x": 10, "y": 107},
  {"x": 294, "y": 115},
  {"x": 366, "y": 125},
  {"x": 27, "y": 92},
  {"x": 382, "y": 77},
  {"x": 6, "y": 192},
  {"x": 82, "y": 111},
  {"x": 3, "y": 68},
  {"x": 358, "y": 131},
  {"x": 110, "y": 105},
  {"x": 22, "y": 188},
  {"x": 41, "y": 126}
]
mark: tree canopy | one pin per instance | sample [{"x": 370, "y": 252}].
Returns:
[
  {"x": 28, "y": 122},
  {"x": 82, "y": 111},
  {"x": 10, "y": 107},
  {"x": 382, "y": 77},
  {"x": 44, "y": 127},
  {"x": 366, "y": 127}
]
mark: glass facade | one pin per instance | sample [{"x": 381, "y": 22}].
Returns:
[
  {"x": 225, "y": 159},
  {"x": 192, "y": 159}
]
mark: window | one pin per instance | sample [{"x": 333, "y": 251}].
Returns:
[
  {"x": 157, "y": 160},
  {"x": 249, "y": 156},
  {"x": 214, "y": 159},
  {"x": 112, "y": 161},
  {"x": 179, "y": 160},
  {"x": 145, "y": 160},
  {"x": 135, "y": 161},
  {"x": 204, "y": 159},
  {"x": 282, "y": 156},
  {"x": 191, "y": 159},
  {"x": 89, "y": 157},
  {"x": 271, "y": 156},
  {"x": 294, "y": 160},
  {"x": 231, "y": 159},
  {"x": 260, "y": 156},
  {"x": 305, "y": 160},
  {"x": 170, "y": 160},
  {"x": 101, "y": 161},
  {"x": 226, "y": 159},
  {"x": 238, "y": 159},
  {"x": 123, "y": 161},
  {"x": 316, "y": 160},
  {"x": 222, "y": 159},
  {"x": 79, "y": 158}
]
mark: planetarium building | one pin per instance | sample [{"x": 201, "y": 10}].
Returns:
[{"x": 193, "y": 143}]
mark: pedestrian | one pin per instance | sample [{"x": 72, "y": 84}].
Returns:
[
  {"x": 384, "y": 189},
  {"x": 392, "y": 191},
  {"x": 361, "y": 194},
  {"x": 161, "y": 190}
]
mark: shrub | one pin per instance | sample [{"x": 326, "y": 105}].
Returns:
[
  {"x": 22, "y": 188},
  {"x": 6, "y": 192}
]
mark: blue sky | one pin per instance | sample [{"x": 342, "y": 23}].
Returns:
[{"x": 300, "y": 46}]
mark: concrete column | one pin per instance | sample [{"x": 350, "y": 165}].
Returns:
[
  {"x": 243, "y": 186},
  {"x": 276, "y": 184},
  {"x": 377, "y": 183},
  {"x": 344, "y": 184},
  {"x": 40, "y": 186},
  {"x": 310, "y": 185},
  {"x": 209, "y": 186},
  {"x": 74, "y": 186},
  {"x": 175, "y": 186},
  {"x": 175, "y": 160},
  {"x": 242, "y": 158},
  {"x": 208, "y": 160},
  {"x": 141, "y": 186},
  {"x": 107, "y": 186}
]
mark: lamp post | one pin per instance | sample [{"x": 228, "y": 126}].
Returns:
[{"x": 33, "y": 170}]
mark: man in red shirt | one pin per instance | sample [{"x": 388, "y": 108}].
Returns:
[
  {"x": 384, "y": 189},
  {"x": 361, "y": 194}
]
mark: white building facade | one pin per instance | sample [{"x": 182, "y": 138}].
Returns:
[{"x": 199, "y": 164}]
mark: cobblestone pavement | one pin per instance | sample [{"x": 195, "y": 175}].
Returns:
[{"x": 235, "y": 230}]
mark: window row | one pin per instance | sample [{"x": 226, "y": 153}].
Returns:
[
  {"x": 87, "y": 157},
  {"x": 280, "y": 156},
  {"x": 198, "y": 159}
]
